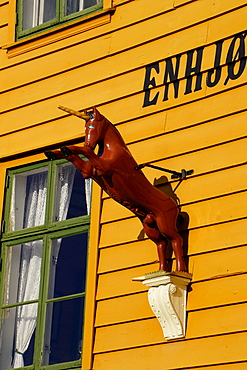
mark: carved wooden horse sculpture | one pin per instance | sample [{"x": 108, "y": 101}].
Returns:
[{"x": 114, "y": 169}]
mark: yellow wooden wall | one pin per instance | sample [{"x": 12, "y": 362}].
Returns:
[{"x": 102, "y": 62}]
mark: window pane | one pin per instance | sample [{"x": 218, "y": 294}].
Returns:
[
  {"x": 28, "y": 14},
  {"x": 73, "y": 6},
  {"x": 63, "y": 331},
  {"x": 49, "y": 10},
  {"x": 22, "y": 274},
  {"x": 68, "y": 266},
  {"x": 72, "y": 193},
  {"x": 36, "y": 12},
  {"x": 17, "y": 336},
  {"x": 28, "y": 200},
  {"x": 88, "y": 3}
]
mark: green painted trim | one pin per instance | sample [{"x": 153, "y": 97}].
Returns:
[
  {"x": 49, "y": 225},
  {"x": 47, "y": 232},
  {"x": 24, "y": 303},
  {"x": 7, "y": 204},
  {"x": 63, "y": 366},
  {"x": 84, "y": 12},
  {"x": 59, "y": 20},
  {"x": 66, "y": 298}
]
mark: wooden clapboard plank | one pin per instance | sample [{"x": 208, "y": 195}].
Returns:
[
  {"x": 133, "y": 334},
  {"x": 221, "y": 209},
  {"x": 229, "y": 290},
  {"x": 112, "y": 311},
  {"x": 184, "y": 17},
  {"x": 182, "y": 2},
  {"x": 217, "y": 292},
  {"x": 35, "y": 54},
  {"x": 229, "y": 20},
  {"x": 213, "y": 238},
  {"x": 206, "y": 212},
  {"x": 211, "y": 265},
  {"x": 60, "y": 84},
  {"x": 215, "y": 269},
  {"x": 3, "y": 35},
  {"x": 31, "y": 115},
  {"x": 192, "y": 190},
  {"x": 12, "y": 115},
  {"x": 213, "y": 184},
  {"x": 120, "y": 282},
  {"x": 216, "y": 350},
  {"x": 205, "y": 323},
  {"x": 202, "y": 161},
  {"x": 232, "y": 366},
  {"x": 48, "y": 112},
  {"x": 128, "y": 255},
  {"x": 129, "y": 230},
  {"x": 116, "y": 233},
  {"x": 211, "y": 109},
  {"x": 195, "y": 138},
  {"x": 121, "y": 19},
  {"x": 203, "y": 267},
  {"x": 107, "y": 90},
  {"x": 4, "y": 14}
]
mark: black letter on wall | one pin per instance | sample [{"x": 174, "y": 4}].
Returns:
[
  {"x": 196, "y": 70},
  {"x": 173, "y": 76},
  {"x": 148, "y": 83},
  {"x": 232, "y": 60},
  {"x": 217, "y": 68}
]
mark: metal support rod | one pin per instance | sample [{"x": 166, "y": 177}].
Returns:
[{"x": 175, "y": 174}]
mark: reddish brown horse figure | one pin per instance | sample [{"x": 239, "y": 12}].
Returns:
[{"x": 114, "y": 169}]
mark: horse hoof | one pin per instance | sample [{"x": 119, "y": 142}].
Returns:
[
  {"x": 50, "y": 155},
  {"x": 66, "y": 151}
]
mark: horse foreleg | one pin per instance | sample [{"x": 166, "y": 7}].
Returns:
[
  {"x": 84, "y": 167},
  {"x": 101, "y": 165},
  {"x": 53, "y": 155},
  {"x": 72, "y": 149},
  {"x": 153, "y": 233}
]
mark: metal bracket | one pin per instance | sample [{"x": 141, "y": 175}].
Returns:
[{"x": 175, "y": 174}]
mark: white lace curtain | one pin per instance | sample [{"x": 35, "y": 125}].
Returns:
[{"x": 30, "y": 263}]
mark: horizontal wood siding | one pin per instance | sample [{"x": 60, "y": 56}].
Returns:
[
  {"x": 102, "y": 63},
  {"x": 4, "y": 7}
]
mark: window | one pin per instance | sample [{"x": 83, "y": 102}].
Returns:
[
  {"x": 44, "y": 258},
  {"x": 37, "y": 15}
]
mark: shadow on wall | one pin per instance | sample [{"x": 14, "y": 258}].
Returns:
[{"x": 164, "y": 185}]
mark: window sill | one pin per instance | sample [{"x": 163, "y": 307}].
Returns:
[{"x": 59, "y": 33}]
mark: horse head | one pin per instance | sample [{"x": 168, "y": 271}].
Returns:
[
  {"x": 95, "y": 126},
  {"x": 95, "y": 129}
]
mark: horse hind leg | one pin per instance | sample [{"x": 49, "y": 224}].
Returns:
[
  {"x": 153, "y": 233},
  {"x": 177, "y": 246},
  {"x": 172, "y": 234}
]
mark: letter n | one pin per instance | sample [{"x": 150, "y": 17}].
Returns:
[
  {"x": 150, "y": 82},
  {"x": 173, "y": 76}
]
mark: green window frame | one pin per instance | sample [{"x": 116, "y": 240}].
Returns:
[
  {"x": 27, "y": 27},
  {"x": 67, "y": 237}
]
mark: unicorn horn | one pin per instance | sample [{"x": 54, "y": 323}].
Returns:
[{"x": 74, "y": 112}]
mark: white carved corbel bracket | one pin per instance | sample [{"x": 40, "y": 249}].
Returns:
[{"x": 167, "y": 297}]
